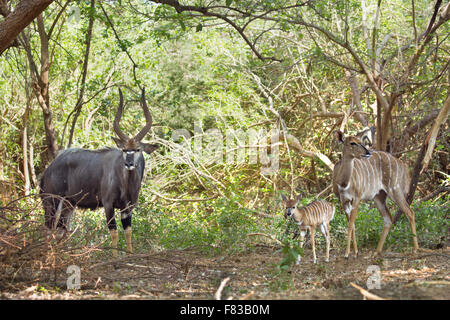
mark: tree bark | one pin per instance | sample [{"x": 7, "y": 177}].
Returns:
[
  {"x": 353, "y": 82},
  {"x": 14, "y": 23},
  {"x": 40, "y": 85}
]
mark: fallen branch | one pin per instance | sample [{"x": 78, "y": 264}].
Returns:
[
  {"x": 248, "y": 295},
  {"x": 365, "y": 293},
  {"x": 218, "y": 293},
  {"x": 434, "y": 282}
]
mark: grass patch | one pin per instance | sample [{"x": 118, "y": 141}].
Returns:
[{"x": 221, "y": 226}]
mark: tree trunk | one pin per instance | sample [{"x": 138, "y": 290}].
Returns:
[
  {"x": 356, "y": 96},
  {"x": 40, "y": 85},
  {"x": 25, "y": 12}
]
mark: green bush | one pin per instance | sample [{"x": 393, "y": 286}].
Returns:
[
  {"x": 222, "y": 225},
  {"x": 218, "y": 225},
  {"x": 431, "y": 226}
]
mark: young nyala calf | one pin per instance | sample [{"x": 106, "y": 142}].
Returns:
[{"x": 318, "y": 213}]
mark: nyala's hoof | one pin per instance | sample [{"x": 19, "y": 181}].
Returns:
[{"x": 376, "y": 255}]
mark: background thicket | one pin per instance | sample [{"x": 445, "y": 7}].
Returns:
[{"x": 307, "y": 68}]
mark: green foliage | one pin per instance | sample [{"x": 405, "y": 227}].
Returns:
[
  {"x": 214, "y": 226},
  {"x": 291, "y": 253},
  {"x": 220, "y": 226},
  {"x": 431, "y": 226}
]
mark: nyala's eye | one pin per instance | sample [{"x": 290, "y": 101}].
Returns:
[{"x": 353, "y": 143}]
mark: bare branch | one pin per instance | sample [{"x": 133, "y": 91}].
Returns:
[
  {"x": 432, "y": 20},
  {"x": 430, "y": 141}
]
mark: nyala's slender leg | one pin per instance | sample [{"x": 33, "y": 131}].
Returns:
[
  {"x": 115, "y": 240},
  {"x": 312, "y": 232},
  {"x": 128, "y": 239},
  {"x": 324, "y": 229},
  {"x": 126, "y": 224}
]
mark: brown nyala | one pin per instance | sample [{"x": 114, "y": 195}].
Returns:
[
  {"x": 318, "y": 213},
  {"x": 370, "y": 175}
]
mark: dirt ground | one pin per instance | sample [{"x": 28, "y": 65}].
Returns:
[{"x": 189, "y": 274}]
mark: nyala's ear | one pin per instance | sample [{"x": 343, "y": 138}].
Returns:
[
  {"x": 119, "y": 143},
  {"x": 339, "y": 136},
  {"x": 283, "y": 197},
  {"x": 299, "y": 198},
  {"x": 149, "y": 148}
]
